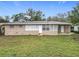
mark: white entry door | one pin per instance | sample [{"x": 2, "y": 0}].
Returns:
[
  {"x": 62, "y": 28},
  {"x": 40, "y": 28}
]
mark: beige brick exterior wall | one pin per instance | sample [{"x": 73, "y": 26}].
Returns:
[
  {"x": 49, "y": 33},
  {"x": 17, "y": 30}
]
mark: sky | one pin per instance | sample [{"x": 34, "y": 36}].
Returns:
[{"x": 49, "y": 8}]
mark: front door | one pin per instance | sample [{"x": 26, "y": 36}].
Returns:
[
  {"x": 40, "y": 28},
  {"x": 66, "y": 29},
  {"x": 60, "y": 29}
]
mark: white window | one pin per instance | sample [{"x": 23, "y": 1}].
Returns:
[
  {"x": 31, "y": 27},
  {"x": 62, "y": 28},
  {"x": 55, "y": 28}
]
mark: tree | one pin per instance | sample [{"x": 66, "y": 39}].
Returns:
[
  {"x": 62, "y": 17},
  {"x": 73, "y": 15},
  {"x": 59, "y": 17},
  {"x": 4, "y": 19},
  {"x": 49, "y": 18},
  {"x": 39, "y": 16},
  {"x": 30, "y": 15},
  {"x": 7, "y": 18},
  {"x": 35, "y": 15},
  {"x": 21, "y": 17}
]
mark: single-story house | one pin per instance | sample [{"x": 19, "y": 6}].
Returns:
[{"x": 37, "y": 28}]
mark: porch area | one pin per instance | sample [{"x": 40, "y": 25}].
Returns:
[{"x": 64, "y": 30}]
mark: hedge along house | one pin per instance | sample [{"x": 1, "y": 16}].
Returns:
[
  {"x": 1, "y": 29},
  {"x": 37, "y": 28}
]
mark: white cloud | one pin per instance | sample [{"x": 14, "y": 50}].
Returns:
[
  {"x": 62, "y": 2},
  {"x": 16, "y": 3}
]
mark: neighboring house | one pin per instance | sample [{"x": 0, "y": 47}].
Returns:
[
  {"x": 37, "y": 28},
  {"x": 76, "y": 27}
]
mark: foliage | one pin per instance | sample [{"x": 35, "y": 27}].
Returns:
[
  {"x": 31, "y": 13},
  {"x": 73, "y": 15},
  {"x": 59, "y": 17},
  {"x": 20, "y": 17},
  {"x": 35, "y": 15},
  {"x": 4, "y": 19}
]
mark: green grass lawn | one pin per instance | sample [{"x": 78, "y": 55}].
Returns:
[{"x": 39, "y": 46}]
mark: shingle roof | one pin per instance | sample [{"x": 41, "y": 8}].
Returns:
[{"x": 37, "y": 22}]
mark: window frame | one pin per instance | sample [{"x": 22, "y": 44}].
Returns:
[
  {"x": 20, "y": 25},
  {"x": 45, "y": 27}
]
